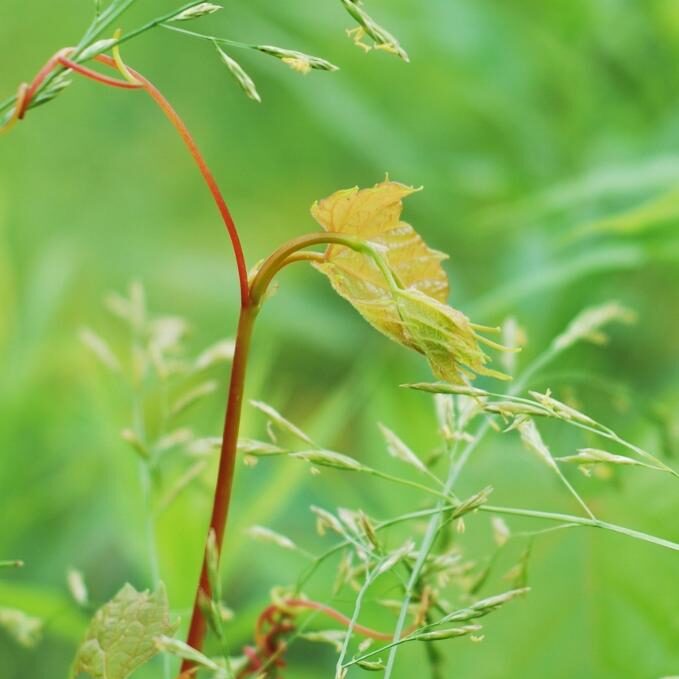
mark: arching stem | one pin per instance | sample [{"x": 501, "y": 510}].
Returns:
[
  {"x": 291, "y": 251},
  {"x": 251, "y": 295},
  {"x": 286, "y": 254},
  {"x": 222, "y": 497},
  {"x": 188, "y": 140}
]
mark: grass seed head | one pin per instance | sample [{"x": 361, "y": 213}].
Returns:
[
  {"x": 368, "y": 27},
  {"x": 263, "y": 534},
  {"x": 329, "y": 458},
  {"x": 244, "y": 80},
  {"x": 472, "y": 503},
  {"x": 333, "y": 637},
  {"x": 533, "y": 441},
  {"x": 399, "y": 450},
  {"x": 325, "y": 520},
  {"x": 297, "y": 61},
  {"x": 589, "y": 325},
  {"x": 561, "y": 410},
  {"x": 451, "y": 633},
  {"x": 77, "y": 586},
  {"x": 197, "y": 11},
  {"x": 100, "y": 348},
  {"x": 371, "y": 665}
]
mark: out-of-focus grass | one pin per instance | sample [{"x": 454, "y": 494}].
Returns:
[{"x": 545, "y": 135}]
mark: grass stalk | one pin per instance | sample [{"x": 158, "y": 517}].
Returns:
[
  {"x": 352, "y": 623},
  {"x": 455, "y": 470}
]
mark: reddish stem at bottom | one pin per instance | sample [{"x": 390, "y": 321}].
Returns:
[
  {"x": 247, "y": 313},
  {"x": 227, "y": 461},
  {"x": 276, "y": 621}
]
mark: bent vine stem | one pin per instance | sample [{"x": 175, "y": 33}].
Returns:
[
  {"x": 248, "y": 311},
  {"x": 287, "y": 253},
  {"x": 251, "y": 296}
]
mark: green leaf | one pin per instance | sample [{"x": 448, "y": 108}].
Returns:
[{"x": 122, "y": 635}]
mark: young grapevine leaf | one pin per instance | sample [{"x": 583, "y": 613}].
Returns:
[
  {"x": 444, "y": 335},
  {"x": 408, "y": 306},
  {"x": 375, "y": 215},
  {"x": 122, "y": 635}
]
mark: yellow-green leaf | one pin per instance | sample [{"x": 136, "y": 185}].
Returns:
[
  {"x": 409, "y": 306},
  {"x": 375, "y": 215},
  {"x": 444, "y": 335},
  {"x": 122, "y": 635}
]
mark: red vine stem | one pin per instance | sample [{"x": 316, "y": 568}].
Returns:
[
  {"x": 250, "y": 302},
  {"x": 248, "y": 312},
  {"x": 338, "y": 617},
  {"x": 227, "y": 461},
  {"x": 270, "y": 649},
  {"x": 61, "y": 58},
  {"x": 190, "y": 143}
]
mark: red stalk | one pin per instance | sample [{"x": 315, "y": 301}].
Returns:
[
  {"x": 338, "y": 617},
  {"x": 227, "y": 460},
  {"x": 250, "y": 301},
  {"x": 229, "y": 447},
  {"x": 98, "y": 77},
  {"x": 248, "y": 312},
  {"x": 269, "y": 647}
]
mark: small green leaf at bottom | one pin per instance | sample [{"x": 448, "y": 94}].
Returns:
[{"x": 122, "y": 635}]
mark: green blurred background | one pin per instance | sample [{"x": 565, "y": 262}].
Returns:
[{"x": 546, "y": 136}]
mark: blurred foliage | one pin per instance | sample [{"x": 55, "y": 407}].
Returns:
[{"x": 545, "y": 135}]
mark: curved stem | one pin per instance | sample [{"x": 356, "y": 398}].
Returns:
[
  {"x": 222, "y": 497},
  {"x": 188, "y": 140},
  {"x": 98, "y": 77},
  {"x": 338, "y": 617},
  {"x": 39, "y": 79},
  {"x": 273, "y": 264},
  {"x": 223, "y": 491},
  {"x": 317, "y": 257},
  {"x": 61, "y": 58},
  {"x": 290, "y": 251},
  {"x": 251, "y": 297}
]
